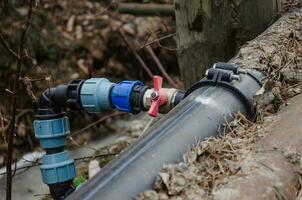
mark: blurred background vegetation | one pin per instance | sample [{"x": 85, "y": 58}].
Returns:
[{"x": 76, "y": 39}]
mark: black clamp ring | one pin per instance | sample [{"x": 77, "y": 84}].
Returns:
[{"x": 222, "y": 78}]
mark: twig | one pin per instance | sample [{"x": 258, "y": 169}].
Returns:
[
  {"x": 21, "y": 168},
  {"x": 8, "y": 91},
  {"x": 78, "y": 145},
  {"x": 5, "y": 9},
  {"x": 95, "y": 156},
  {"x": 34, "y": 79},
  {"x": 111, "y": 4},
  {"x": 36, "y": 162},
  {"x": 146, "y": 9},
  {"x": 140, "y": 60},
  {"x": 28, "y": 85},
  {"x": 158, "y": 40},
  {"x": 231, "y": 130},
  {"x": 161, "y": 67},
  {"x": 42, "y": 195},
  {"x": 240, "y": 116},
  {"x": 18, "y": 116},
  {"x": 15, "y": 168},
  {"x": 14, "y": 102},
  {"x": 4, "y": 43},
  {"x": 2, "y": 127},
  {"x": 96, "y": 122},
  {"x": 148, "y": 126}
]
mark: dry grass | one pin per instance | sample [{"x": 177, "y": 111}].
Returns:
[{"x": 207, "y": 163}]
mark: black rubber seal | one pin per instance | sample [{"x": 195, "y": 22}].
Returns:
[
  {"x": 49, "y": 115},
  {"x": 179, "y": 96},
  {"x": 74, "y": 92},
  {"x": 54, "y": 150},
  {"x": 137, "y": 98}
]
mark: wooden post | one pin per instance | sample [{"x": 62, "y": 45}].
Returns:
[{"x": 212, "y": 30}]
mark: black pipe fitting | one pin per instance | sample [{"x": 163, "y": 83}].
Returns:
[
  {"x": 53, "y": 100},
  {"x": 60, "y": 191},
  {"x": 73, "y": 100},
  {"x": 222, "y": 75},
  {"x": 51, "y": 106},
  {"x": 179, "y": 96},
  {"x": 228, "y": 66},
  {"x": 137, "y": 98}
]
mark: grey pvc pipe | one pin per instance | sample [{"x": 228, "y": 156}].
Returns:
[{"x": 197, "y": 117}]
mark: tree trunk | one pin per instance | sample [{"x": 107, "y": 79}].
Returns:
[{"x": 211, "y": 30}]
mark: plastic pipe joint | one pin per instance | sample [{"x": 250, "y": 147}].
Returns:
[
  {"x": 52, "y": 132},
  {"x": 99, "y": 94},
  {"x": 56, "y": 167},
  {"x": 121, "y": 95},
  {"x": 95, "y": 95}
]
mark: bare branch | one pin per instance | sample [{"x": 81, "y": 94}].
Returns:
[
  {"x": 158, "y": 40},
  {"x": 5, "y": 9},
  {"x": 146, "y": 9},
  {"x": 161, "y": 67},
  {"x": 14, "y": 102},
  {"x": 22, "y": 168},
  {"x": 95, "y": 156},
  {"x": 96, "y": 122},
  {"x": 2, "y": 127},
  {"x": 6, "y": 46},
  {"x": 138, "y": 57}
]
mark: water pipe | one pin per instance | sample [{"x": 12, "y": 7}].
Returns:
[
  {"x": 208, "y": 104},
  {"x": 94, "y": 96},
  {"x": 225, "y": 89}
]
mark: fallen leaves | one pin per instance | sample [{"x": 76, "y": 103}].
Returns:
[{"x": 207, "y": 163}]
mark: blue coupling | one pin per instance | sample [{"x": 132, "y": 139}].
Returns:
[
  {"x": 95, "y": 95},
  {"x": 52, "y": 132},
  {"x": 121, "y": 95},
  {"x": 57, "y": 168}
]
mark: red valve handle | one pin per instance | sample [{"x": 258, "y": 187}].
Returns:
[{"x": 158, "y": 97}]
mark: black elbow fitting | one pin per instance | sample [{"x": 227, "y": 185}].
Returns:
[
  {"x": 53, "y": 100},
  {"x": 51, "y": 103}
]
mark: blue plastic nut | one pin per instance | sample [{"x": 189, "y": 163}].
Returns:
[
  {"x": 121, "y": 94},
  {"x": 57, "y": 168},
  {"x": 95, "y": 95},
  {"x": 52, "y": 132}
]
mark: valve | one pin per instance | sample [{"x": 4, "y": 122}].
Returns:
[{"x": 158, "y": 96}]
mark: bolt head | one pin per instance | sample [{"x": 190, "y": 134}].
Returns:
[{"x": 154, "y": 95}]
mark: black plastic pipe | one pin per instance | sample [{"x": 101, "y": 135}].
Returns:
[{"x": 198, "y": 116}]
